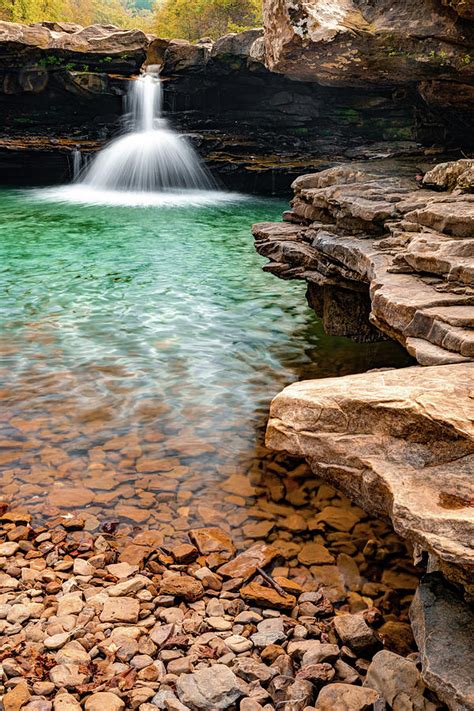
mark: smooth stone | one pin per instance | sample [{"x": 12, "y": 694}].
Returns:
[
  {"x": 104, "y": 701},
  {"x": 120, "y": 609},
  {"x": 238, "y": 644},
  {"x": 215, "y": 687},
  {"x": 346, "y": 697}
]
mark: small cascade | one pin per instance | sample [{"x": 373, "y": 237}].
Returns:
[
  {"x": 79, "y": 163},
  {"x": 150, "y": 157}
]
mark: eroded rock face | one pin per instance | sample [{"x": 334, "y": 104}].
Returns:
[
  {"x": 355, "y": 236},
  {"x": 350, "y": 42},
  {"x": 57, "y": 43},
  {"x": 400, "y": 443}
]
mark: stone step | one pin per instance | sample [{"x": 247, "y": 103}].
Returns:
[
  {"x": 427, "y": 353},
  {"x": 427, "y": 326}
]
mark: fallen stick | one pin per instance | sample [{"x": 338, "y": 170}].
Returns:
[{"x": 270, "y": 580}]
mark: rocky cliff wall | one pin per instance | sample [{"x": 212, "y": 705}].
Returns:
[{"x": 62, "y": 87}]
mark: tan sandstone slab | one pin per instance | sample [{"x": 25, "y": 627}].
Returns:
[{"x": 398, "y": 442}]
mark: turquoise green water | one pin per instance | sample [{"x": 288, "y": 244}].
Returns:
[{"x": 155, "y": 325}]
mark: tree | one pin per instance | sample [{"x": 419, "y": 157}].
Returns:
[
  {"x": 85, "y": 12},
  {"x": 192, "y": 19}
]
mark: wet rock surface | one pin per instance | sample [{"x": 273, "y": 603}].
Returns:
[{"x": 83, "y": 628}]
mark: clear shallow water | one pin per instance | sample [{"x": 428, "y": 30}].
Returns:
[{"x": 139, "y": 351}]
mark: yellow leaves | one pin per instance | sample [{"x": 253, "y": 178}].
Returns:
[{"x": 192, "y": 19}]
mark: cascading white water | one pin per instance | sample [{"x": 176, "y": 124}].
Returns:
[{"x": 150, "y": 157}]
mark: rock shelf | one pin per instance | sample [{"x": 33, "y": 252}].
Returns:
[
  {"x": 383, "y": 256},
  {"x": 398, "y": 442},
  {"x": 377, "y": 247}
]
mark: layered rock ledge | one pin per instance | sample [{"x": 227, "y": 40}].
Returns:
[
  {"x": 383, "y": 256},
  {"x": 379, "y": 248},
  {"x": 400, "y": 442}
]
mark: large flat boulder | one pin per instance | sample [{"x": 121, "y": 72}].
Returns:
[{"x": 398, "y": 442}]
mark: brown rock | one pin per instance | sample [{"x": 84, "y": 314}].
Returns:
[
  {"x": 315, "y": 554},
  {"x": 397, "y": 637},
  {"x": 212, "y": 540},
  {"x": 267, "y": 597},
  {"x": 104, "y": 701},
  {"x": 120, "y": 609},
  {"x": 271, "y": 652},
  {"x": 65, "y": 702},
  {"x": 135, "y": 554},
  {"x": 15, "y": 698},
  {"x": 258, "y": 530},
  {"x": 245, "y": 564},
  {"x": 182, "y": 586},
  {"x": 183, "y": 553},
  {"x": 355, "y": 632},
  {"x": 70, "y": 496},
  {"x": 340, "y": 519},
  {"x": 346, "y": 697}
]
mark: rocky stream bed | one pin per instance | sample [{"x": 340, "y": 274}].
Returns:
[
  {"x": 309, "y": 608},
  {"x": 333, "y": 571}
]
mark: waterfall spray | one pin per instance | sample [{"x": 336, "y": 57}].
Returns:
[{"x": 150, "y": 157}]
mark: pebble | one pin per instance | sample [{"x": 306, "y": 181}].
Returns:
[
  {"x": 212, "y": 688},
  {"x": 65, "y": 702},
  {"x": 121, "y": 609},
  {"x": 183, "y": 586},
  {"x": 346, "y": 697},
  {"x": 355, "y": 632},
  {"x": 219, "y": 623},
  {"x": 104, "y": 701},
  {"x": 15, "y": 698},
  {"x": 238, "y": 644},
  {"x": 56, "y": 641},
  {"x": 9, "y": 548}
]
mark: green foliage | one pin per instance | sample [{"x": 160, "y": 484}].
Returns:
[
  {"x": 192, "y": 19},
  {"x": 185, "y": 19},
  {"x": 84, "y": 12}
]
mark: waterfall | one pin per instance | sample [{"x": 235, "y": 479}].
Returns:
[
  {"x": 77, "y": 163},
  {"x": 150, "y": 156}
]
